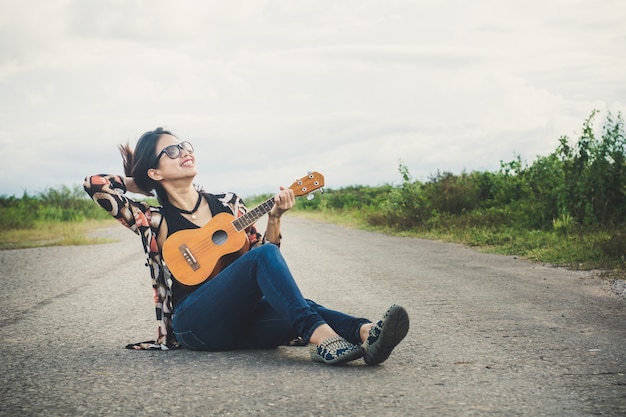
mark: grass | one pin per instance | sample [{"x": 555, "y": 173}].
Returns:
[
  {"x": 576, "y": 251},
  {"x": 55, "y": 234}
]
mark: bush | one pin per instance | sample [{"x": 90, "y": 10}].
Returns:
[
  {"x": 52, "y": 205},
  {"x": 16, "y": 218}
]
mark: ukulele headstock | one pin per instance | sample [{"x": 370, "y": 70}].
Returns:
[{"x": 307, "y": 184}]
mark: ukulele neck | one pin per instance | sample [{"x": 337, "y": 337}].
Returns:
[{"x": 253, "y": 215}]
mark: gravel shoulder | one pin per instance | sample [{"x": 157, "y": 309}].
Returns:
[{"x": 490, "y": 335}]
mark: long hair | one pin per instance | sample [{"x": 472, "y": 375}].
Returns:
[{"x": 137, "y": 162}]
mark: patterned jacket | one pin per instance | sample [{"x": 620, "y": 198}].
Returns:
[{"x": 109, "y": 191}]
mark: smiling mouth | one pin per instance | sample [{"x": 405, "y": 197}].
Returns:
[{"x": 187, "y": 162}]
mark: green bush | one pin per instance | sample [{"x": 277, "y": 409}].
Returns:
[
  {"x": 594, "y": 170},
  {"x": 61, "y": 204},
  {"x": 16, "y": 218},
  {"x": 570, "y": 201}
]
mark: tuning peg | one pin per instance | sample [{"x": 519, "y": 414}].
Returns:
[
  {"x": 321, "y": 191},
  {"x": 310, "y": 196}
]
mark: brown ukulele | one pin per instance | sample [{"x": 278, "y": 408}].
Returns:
[{"x": 196, "y": 255}]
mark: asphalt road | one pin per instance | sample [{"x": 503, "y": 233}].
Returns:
[{"x": 490, "y": 335}]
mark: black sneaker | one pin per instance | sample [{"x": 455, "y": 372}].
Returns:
[{"x": 385, "y": 335}]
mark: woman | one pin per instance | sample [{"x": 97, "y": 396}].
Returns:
[{"x": 252, "y": 303}]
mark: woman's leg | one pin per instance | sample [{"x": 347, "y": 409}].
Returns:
[
  {"x": 268, "y": 329},
  {"x": 346, "y": 326},
  {"x": 214, "y": 316}
]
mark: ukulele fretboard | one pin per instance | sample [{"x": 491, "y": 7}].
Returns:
[{"x": 253, "y": 215}]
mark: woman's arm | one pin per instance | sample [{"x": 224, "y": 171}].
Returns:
[
  {"x": 109, "y": 192},
  {"x": 284, "y": 200}
]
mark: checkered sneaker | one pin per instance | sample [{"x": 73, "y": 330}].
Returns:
[{"x": 335, "y": 350}]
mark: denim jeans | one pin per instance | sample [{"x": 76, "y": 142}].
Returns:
[{"x": 254, "y": 303}]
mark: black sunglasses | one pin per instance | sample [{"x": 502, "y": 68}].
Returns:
[{"x": 173, "y": 151}]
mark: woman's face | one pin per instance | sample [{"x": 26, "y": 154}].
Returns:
[{"x": 181, "y": 166}]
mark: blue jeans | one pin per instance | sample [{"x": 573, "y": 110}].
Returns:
[{"x": 254, "y": 303}]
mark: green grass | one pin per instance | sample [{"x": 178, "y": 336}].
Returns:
[
  {"x": 46, "y": 233},
  {"x": 589, "y": 250}
]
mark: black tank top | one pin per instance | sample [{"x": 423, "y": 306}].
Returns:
[{"x": 175, "y": 222}]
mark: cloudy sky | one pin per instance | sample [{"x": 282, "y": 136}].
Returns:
[{"x": 268, "y": 90}]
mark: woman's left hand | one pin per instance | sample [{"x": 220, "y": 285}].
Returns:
[{"x": 284, "y": 200}]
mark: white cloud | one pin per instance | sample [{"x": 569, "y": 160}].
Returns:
[{"x": 349, "y": 87}]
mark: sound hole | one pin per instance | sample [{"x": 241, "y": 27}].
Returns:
[{"x": 219, "y": 237}]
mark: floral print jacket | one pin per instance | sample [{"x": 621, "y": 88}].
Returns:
[{"x": 109, "y": 191}]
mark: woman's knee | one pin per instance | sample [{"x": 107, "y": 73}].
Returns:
[{"x": 267, "y": 251}]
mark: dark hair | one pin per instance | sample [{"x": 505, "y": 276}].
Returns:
[{"x": 137, "y": 162}]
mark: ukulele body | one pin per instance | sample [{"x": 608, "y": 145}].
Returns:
[{"x": 195, "y": 255}]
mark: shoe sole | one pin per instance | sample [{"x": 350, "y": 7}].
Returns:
[{"x": 395, "y": 328}]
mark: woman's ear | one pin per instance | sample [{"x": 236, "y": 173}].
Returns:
[{"x": 154, "y": 174}]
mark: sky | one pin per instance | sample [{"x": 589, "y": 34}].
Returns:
[{"x": 269, "y": 90}]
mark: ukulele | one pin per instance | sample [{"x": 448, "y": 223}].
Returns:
[{"x": 197, "y": 255}]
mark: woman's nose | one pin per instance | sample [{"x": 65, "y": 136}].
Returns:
[{"x": 183, "y": 152}]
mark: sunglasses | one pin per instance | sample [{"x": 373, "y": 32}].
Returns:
[{"x": 173, "y": 151}]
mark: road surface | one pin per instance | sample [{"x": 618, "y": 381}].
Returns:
[{"x": 490, "y": 335}]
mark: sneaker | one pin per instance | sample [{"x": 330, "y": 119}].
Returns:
[
  {"x": 335, "y": 350},
  {"x": 385, "y": 335}
]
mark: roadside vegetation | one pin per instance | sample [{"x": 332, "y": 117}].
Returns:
[
  {"x": 566, "y": 209},
  {"x": 61, "y": 216}
]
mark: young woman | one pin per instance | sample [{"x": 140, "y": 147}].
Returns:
[{"x": 252, "y": 303}]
